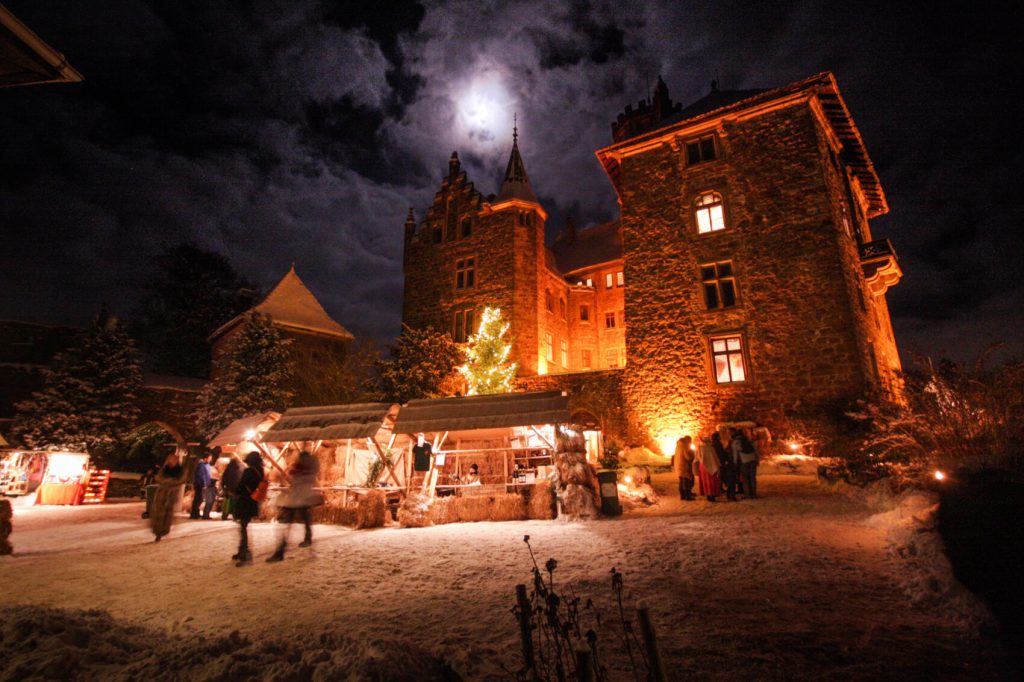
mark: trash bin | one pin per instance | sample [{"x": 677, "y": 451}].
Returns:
[
  {"x": 150, "y": 494},
  {"x": 608, "y": 480}
]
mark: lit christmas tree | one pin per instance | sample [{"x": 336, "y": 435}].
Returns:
[{"x": 488, "y": 369}]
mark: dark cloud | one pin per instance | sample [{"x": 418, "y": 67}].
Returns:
[{"x": 280, "y": 131}]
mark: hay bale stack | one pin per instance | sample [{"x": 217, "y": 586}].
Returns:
[
  {"x": 581, "y": 497},
  {"x": 542, "y": 502},
  {"x": 337, "y": 515},
  {"x": 444, "y": 510},
  {"x": 474, "y": 508},
  {"x": 578, "y": 502},
  {"x": 415, "y": 510},
  {"x": 6, "y": 527},
  {"x": 372, "y": 510},
  {"x": 509, "y": 507}
]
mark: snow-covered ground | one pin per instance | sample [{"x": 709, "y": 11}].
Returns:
[{"x": 805, "y": 583}]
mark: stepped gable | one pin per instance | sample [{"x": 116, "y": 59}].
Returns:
[
  {"x": 457, "y": 189},
  {"x": 576, "y": 250},
  {"x": 292, "y": 306}
]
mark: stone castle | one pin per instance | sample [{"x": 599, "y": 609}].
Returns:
[{"x": 741, "y": 281}]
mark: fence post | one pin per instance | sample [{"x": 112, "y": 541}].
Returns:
[
  {"x": 584, "y": 666},
  {"x": 525, "y": 635},
  {"x": 655, "y": 673}
]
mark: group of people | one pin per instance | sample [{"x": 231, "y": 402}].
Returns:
[
  {"x": 244, "y": 487},
  {"x": 717, "y": 467}
]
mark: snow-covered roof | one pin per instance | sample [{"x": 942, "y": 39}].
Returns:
[
  {"x": 291, "y": 305},
  {"x": 240, "y": 429},
  {"x": 483, "y": 412},
  {"x": 330, "y": 422}
]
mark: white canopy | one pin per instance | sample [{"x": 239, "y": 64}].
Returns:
[{"x": 245, "y": 429}]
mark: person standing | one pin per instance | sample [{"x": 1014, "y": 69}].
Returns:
[
  {"x": 748, "y": 461},
  {"x": 170, "y": 481},
  {"x": 247, "y": 507},
  {"x": 201, "y": 480},
  {"x": 730, "y": 468},
  {"x": 298, "y": 501},
  {"x": 682, "y": 465},
  {"x": 228, "y": 484},
  {"x": 710, "y": 482}
]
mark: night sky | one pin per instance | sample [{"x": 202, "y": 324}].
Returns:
[{"x": 303, "y": 130}]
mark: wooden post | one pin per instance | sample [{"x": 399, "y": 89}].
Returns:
[
  {"x": 584, "y": 666},
  {"x": 525, "y": 633},
  {"x": 655, "y": 672}
]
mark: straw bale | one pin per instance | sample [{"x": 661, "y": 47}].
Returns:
[
  {"x": 641, "y": 475},
  {"x": 337, "y": 515},
  {"x": 372, "y": 511},
  {"x": 578, "y": 502},
  {"x": 542, "y": 501},
  {"x": 444, "y": 510},
  {"x": 415, "y": 510},
  {"x": 508, "y": 507},
  {"x": 474, "y": 508}
]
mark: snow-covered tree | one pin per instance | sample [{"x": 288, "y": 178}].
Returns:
[
  {"x": 257, "y": 377},
  {"x": 423, "y": 364},
  {"x": 488, "y": 369},
  {"x": 88, "y": 399}
]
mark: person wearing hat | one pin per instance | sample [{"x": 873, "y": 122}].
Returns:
[
  {"x": 473, "y": 476},
  {"x": 247, "y": 507}
]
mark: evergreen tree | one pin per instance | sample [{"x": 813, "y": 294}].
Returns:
[
  {"x": 194, "y": 292},
  {"x": 423, "y": 364},
  {"x": 89, "y": 392},
  {"x": 488, "y": 369},
  {"x": 257, "y": 377}
]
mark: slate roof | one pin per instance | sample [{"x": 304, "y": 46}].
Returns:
[
  {"x": 483, "y": 412},
  {"x": 516, "y": 184},
  {"x": 291, "y": 304},
  {"x": 329, "y": 422},
  {"x": 591, "y": 246}
]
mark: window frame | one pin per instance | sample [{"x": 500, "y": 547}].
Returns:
[
  {"x": 611, "y": 358},
  {"x": 728, "y": 354},
  {"x": 563, "y": 349},
  {"x": 716, "y": 282},
  {"x": 465, "y": 227},
  {"x": 698, "y": 207},
  {"x": 620, "y": 279},
  {"x": 697, "y": 142},
  {"x": 460, "y": 318},
  {"x": 549, "y": 347},
  {"x": 465, "y": 273},
  {"x": 609, "y": 280},
  {"x": 609, "y": 320},
  {"x": 584, "y": 313}
]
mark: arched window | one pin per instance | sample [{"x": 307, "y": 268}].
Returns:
[{"x": 709, "y": 212}]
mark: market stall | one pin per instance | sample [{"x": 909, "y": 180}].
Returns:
[
  {"x": 510, "y": 438},
  {"x": 65, "y": 478},
  {"x": 242, "y": 436},
  {"x": 355, "y": 444}
]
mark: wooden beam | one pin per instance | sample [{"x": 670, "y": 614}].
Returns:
[
  {"x": 380, "y": 453},
  {"x": 546, "y": 441}
]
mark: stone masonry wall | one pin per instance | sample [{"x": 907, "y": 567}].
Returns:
[{"x": 793, "y": 310}]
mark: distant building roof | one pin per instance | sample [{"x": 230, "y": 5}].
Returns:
[
  {"x": 577, "y": 250},
  {"x": 26, "y": 59},
  {"x": 483, "y": 412},
  {"x": 291, "y": 305}
]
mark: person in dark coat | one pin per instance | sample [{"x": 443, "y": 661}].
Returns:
[
  {"x": 682, "y": 465},
  {"x": 229, "y": 484},
  {"x": 247, "y": 508},
  {"x": 202, "y": 487},
  {"x": 730, "y": 470},
  {"x": 297, "y": 501}
]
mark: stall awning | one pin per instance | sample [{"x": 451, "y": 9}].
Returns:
[
  {"x": 329, "y": 422},
  {"x": 242, "y": 429},
  {"x": 483, "y": 412}
]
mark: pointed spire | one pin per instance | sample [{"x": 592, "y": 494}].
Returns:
[
  {"x": 454, "y": 166},
  {"x": 516, "y": 184}
]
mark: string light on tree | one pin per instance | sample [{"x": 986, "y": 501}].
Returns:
[{"x": 487, "y": 369}]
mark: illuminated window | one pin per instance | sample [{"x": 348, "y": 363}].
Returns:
[
  {"x": 465, "y": 273},
  {"x": 563, "y": 346},
  {"x": 436, "y": 234},
  {"x": 727, "y": 358},
  {"x": 609, "y": 320},
  {"x": 709, "y": 213},
  {"x": 462, "y": 326},
  {"x": 589, "y": 281},
  {"x": 611, "y": 357},
  {"x": 609, "y": 280},
  {"x": 619, "y": 279},
  {"x": 585, "y": 360},
  {"x": 561, "y": 307},
  {"x": 584, "y": 313},
  {"x": 700, "y": 150},
  {"x": 549, "y": 302},
  {"x": 549, "y": 347},
  {"x": 467, "y": 227},
  {"x": 719, "y": 285}
]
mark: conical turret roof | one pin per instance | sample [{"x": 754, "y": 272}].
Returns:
[{"x": 517, "y": 183}]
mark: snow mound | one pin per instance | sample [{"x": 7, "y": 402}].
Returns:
[
  {"x": 46, "y": 643},
  {"x": 910, "y": 521}
]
